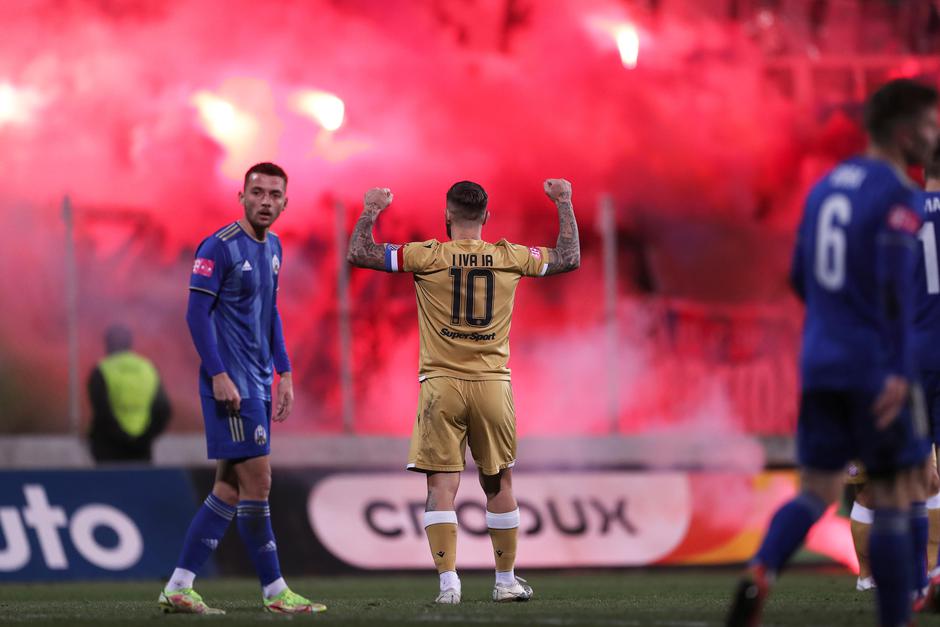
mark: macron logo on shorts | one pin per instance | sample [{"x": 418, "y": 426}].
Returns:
[
  {"x": 536, "y": 252},
  {"x": 203, "y": 267}
]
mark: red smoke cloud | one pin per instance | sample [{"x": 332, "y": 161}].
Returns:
[{"x": 706, "y": 163}]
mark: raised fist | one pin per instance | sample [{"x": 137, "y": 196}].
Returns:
[
  {"x": 378, "y": 198},
  {"x": 557, "y": 189}
]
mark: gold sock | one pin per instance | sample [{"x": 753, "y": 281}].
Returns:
[
  {"x": 933, "y": 542},
  {"x": 504, "y": 547},
  {"x": 861, "y": 532},
  {"x": 442, "y": 537}
]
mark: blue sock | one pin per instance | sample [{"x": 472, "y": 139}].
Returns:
[
  {"x": 919, "y": 532},
  {"x": 205, "y": 531},
  {"x": 890, "y": 556},
  {"x": 788, "y": 529},
  {"x": 254, "y": 526}
]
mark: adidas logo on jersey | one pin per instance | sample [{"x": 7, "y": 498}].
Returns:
[{"x": 246, "y": 266}]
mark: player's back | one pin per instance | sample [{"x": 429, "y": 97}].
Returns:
[
  {"x": 927, "y": 286},
  {"x": 849, "y": 216},
  {"x": 466, "y": 291}
]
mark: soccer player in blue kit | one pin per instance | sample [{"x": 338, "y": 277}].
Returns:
[
  {"x": 237, "y": 331},
  {"x": 927, "y": 322},
  {"x": 854, "y": 267}
]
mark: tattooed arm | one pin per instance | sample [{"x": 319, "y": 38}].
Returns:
[
  {"x": 363, "y": 251},
  {"x": 566, "y": 256}
]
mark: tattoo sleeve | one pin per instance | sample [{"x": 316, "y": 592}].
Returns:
[
  {"x": 363, "y": 251},
  {"x": 566, "y": 256}
]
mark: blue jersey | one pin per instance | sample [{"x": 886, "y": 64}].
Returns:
[
  {"x": 854, "y": 265},
  {"x": 242, "y": 274},
  {"x": 927, "y": 284}
]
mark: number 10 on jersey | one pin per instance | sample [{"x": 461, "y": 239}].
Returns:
[{"x": 466, "y": 295}]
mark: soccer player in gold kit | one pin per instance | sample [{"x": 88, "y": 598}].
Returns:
[{"x": 465, "y": 289}]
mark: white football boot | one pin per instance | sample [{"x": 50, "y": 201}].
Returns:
[
  {"x": 451, "y": 596},
  {"x": 518, "y": 590}
]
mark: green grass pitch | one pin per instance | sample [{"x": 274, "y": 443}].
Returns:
[{"x": 671, "y": 598}]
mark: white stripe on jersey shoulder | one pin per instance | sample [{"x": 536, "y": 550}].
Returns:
[
  {"x": 202, "y": 289},
  {"x": 239, "y": 230},
  {"x": 225, "y": 232}
]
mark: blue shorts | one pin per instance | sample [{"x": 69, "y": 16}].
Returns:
[
  {"x": 836, "y": 426},
  {"x": 236, "y": 436},
  {"x": 931, "y": 382}
]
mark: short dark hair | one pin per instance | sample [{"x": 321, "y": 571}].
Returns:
[
  {"x": 266, "y": 167},
  {"x": 468, "y": 200},
  {"x": 118, "y": 338},
  {"x": 932, "y": 169},
  {"x": 896, "y": 101}
]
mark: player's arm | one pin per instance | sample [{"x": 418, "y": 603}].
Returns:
[
  {"x": 897, "y": 258},
  {"x": 205, "y": 283},
  {"x": 200, "y": 328},
  {"x": 566, "y": 256},
  {"x": 363, "y": 251},
  {"x": 285, "y": 386}
]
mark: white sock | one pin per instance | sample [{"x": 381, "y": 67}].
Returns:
[
  {"x": 934, "y": 502},
  {"x": 180, "y": 579},
  {"x": 862, "y": 514},
  {"x": 274, "y": 588},
  {"x": 506, "y": 577},
  {"x": 449, "y": 579}
]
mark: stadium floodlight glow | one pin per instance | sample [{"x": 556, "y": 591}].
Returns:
[
  {"x": 16, "y": 105},
  {"x": 327, "y": 109},
  {"x": 628, "y": 43}
]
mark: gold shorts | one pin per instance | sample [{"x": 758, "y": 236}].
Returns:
[{"x": 455, "y": 412}]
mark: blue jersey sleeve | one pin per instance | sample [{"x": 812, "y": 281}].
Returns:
[
  {"x": 200, "y": 327},
  {"x": 209, "y": 267},
  {"x": 278, "y": 345},
  {"x": 897, "y": 258}
]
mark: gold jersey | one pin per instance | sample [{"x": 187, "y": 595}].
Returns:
[{"x": 465, "y": 291}]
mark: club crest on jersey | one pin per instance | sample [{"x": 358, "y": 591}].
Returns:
[
  {"x": 203, "y": 267},
  {"x": 275, "y": 264},
  {"x": 902, "y": 218},
  {"x": 261, "y": 436},
  {"x": 536, "y": 252}
]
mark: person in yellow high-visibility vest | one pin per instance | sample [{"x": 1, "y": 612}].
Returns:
[{"x": 130, "y": 408}]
